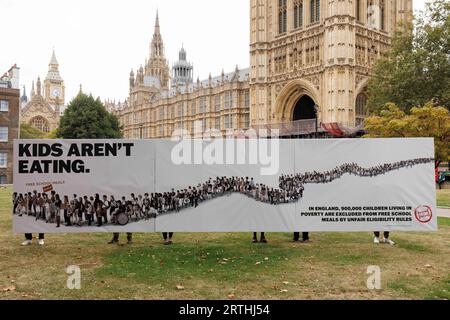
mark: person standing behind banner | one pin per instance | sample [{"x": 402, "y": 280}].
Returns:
[
  {"x": 115, "y": 239},
  {"x": 262, "y": 238},
  {"x": 305, "y": 236},
  {"x": 29, "y": 239},
  {"x": 386, "y": 239},
  {"x": 167, "y": 236}
]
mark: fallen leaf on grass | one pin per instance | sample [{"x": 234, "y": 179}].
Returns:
[
  {"x": 258, "y": 263},
  {"x": 284, "y": 291},
  {"x": 180, "y": 287},
  {"x": 231, "y": 296},
  {"x": 266, "y": 259},
  {"x": 9, "y": 288},
  {"x": 286, "y": 282},
  {"x": 428, "y": 266}
]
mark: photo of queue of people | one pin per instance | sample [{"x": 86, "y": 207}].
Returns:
[{"x": 95, "y": 210}]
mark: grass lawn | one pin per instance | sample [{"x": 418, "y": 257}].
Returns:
[
  {"x": 224, "y": 266},
  {"x": 443, "y": 198}
]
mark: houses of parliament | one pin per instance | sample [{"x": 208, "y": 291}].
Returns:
[{"x": 310, "y": 61}]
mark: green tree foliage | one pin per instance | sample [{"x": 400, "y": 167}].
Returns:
[
  {"x": 29, "y": 132},
  {"x": 427, "y": 121},
  {"x": 417, "y": 68},
  {"x": 87, "y": 118}
]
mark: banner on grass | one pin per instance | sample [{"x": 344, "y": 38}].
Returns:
[{"x": 219, "y": 185}]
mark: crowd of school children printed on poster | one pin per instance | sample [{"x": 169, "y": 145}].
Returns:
[{"x": 89, "y": 210}]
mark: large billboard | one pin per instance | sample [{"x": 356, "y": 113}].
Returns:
[{"x": 236, "y": 185}]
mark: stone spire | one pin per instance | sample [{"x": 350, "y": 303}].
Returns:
[
  {"x": 53, "y": 60},
  {"x": 157, "y": 65},
  {"x": 131, "y": 79},
  {"x": 24, "y": 98},
  {"x": 157, "y": 45},
  {"x": 32, "y": 93},
  {"x": 157, "y": 28},
  {"x": 38, "y": 86},
  {"x": 53, "y": 69}
]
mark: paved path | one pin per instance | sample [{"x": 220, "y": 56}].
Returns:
[{"x": 443, "y": 212}]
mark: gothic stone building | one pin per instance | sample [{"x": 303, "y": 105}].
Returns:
[
  {"x": 9, "y": 121},
  {"x": 46, "y": 104},
  {"x": 310, "y": 63}
]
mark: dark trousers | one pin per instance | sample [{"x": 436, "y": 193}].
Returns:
[
  {"x": 305, "y": 236},
  {"x": 377, "y": 234},
  {"x": 29, "y": 236},
  {"x": 116, "y": 236},
  {"x": 255, "y": 235},
  {"x": 165, "y": 235}
]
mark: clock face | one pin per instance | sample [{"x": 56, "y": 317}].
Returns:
[{"x": 56, "y": 92}]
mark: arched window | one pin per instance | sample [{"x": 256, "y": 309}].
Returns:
[
  {"x": 40, "y": 123},
  {"x": 360, "y": 107},
  {"x": 298, "y": 14},
  {"x": 282, "y": 16}
]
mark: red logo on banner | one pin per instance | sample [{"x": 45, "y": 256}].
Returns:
[
  {"x": 423, "y": 214},
  {"x": 48, "y": 188}
]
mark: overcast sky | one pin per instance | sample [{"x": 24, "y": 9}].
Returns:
[{"x": 97, "y": 42}]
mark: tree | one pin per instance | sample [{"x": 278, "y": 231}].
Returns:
[
  {"x": 87, "y": 118},
  {"x": 417, "y": 68},
  {"x": 427, "y": 121},
  {"x": 27, "y": 131}
]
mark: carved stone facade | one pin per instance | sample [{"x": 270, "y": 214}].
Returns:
[
  {"x": 9, "y": 122},
  {"x": 152, "y": 110},
  {"x": 309, "y": 59},
  {"x": 324, "y": 49},
  {"x": 46, "y": 104}
]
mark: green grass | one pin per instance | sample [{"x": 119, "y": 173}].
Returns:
[
  {"x": 223, "y": 266},
  {"x": 443, "y": 198}
]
